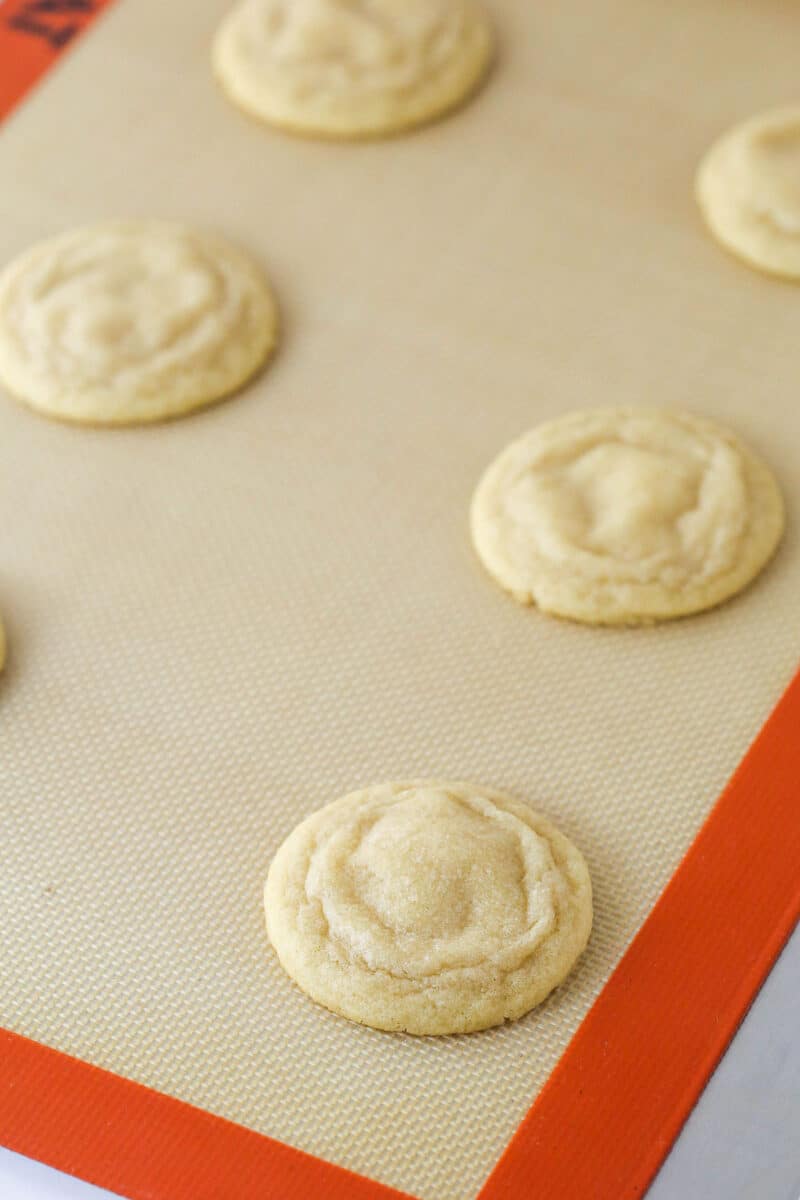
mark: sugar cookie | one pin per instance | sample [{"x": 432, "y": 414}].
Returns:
[
  {"x": 351, "y": 68},
  {"x": 428, "y": 907},
  {"x": 131, "y": 321},
  {"x": 748, "y": 188},
  {"x": 625, "y": 515}
]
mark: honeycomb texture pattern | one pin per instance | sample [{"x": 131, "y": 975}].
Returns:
[{"x": 219, "y": 625}]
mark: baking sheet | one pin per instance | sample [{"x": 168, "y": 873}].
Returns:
[{"x": 220, "y": 624}]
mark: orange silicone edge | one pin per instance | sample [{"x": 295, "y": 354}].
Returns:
[
  {"x": 144, "y": 1145},
  {"x": 617, "y": 1099},
  {"x": 611, "y": 1108},
  {"x": 33, "y": 37}
]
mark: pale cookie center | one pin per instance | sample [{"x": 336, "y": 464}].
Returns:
[
  {"x": 101, "y": 311},
  {"x": 430, "y": 883},
  {"x": 339, "y": 45},
  {"x": 334, "y": 31},
  {"x": 772, "y": 163},
  {"x": 626, "y": 510},
  {"x": 106, "y": 312},
  {"x": 623, "y": 501},
  {"x": 127, "y": 314}
]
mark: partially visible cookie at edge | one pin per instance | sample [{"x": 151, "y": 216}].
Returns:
[
  {"x": 351, "y": 68},
  {"x": 132, "y": 321},
  {"x": 748, "y": 190},
  {"x": 428, "y": 907},
  {"x": 626, "y": 516}
]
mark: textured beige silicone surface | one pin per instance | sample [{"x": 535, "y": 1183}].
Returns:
[{"x": 218, "y": 625}]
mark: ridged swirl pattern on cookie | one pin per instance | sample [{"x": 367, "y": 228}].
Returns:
[
  {"x": 748, "y": 189},
  {"x": 621, "y": 508},
  {"x": 125, "y": 305},
  {"x": 338, "y": 47},
  {"x": 426, "y": 881},
  {"x": 768, "y": 175},
  {"x": 622, "y": 496}
]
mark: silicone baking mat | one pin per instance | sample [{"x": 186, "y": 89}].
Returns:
[{"x": 217, "y": 625}]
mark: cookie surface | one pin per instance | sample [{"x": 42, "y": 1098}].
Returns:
[
  {"x": 748, "y": 189},
  {"x": 351, "y": 68},
  {"x": 623, "y": 515},
  {"x": 131, "y": 321},
  {"x": 428, "y": 907},
  {"x": 2, "y": 645}
]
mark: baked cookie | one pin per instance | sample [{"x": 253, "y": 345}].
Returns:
[
  {"x": 626, "y": 515},
  {"x": 351, "y": 68},
  {"x": 748, "y": 188},
  {"x": 131, "y": 321},
  {"x": 428, "y": 907}
]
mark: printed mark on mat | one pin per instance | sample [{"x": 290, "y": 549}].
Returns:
[
  {"x": 34, "y": 35},
  {"x": 52, "y": 21}
]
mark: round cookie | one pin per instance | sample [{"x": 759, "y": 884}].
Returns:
[
  {"x": 351, "y": 68},
  {"x": 625, "y": 515},
  {"x": 131, "y": 321},
  {"x": 428, "y": 907},
  {"x": 748, "y": 189}
]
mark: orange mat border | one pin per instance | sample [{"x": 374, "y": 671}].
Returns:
[
  {"x": 147, "y": 1146},
  {"x": 616, "y": 1101},
  {"x": 33, "y": 36},
  {"x": 666, "y": 1014}
]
